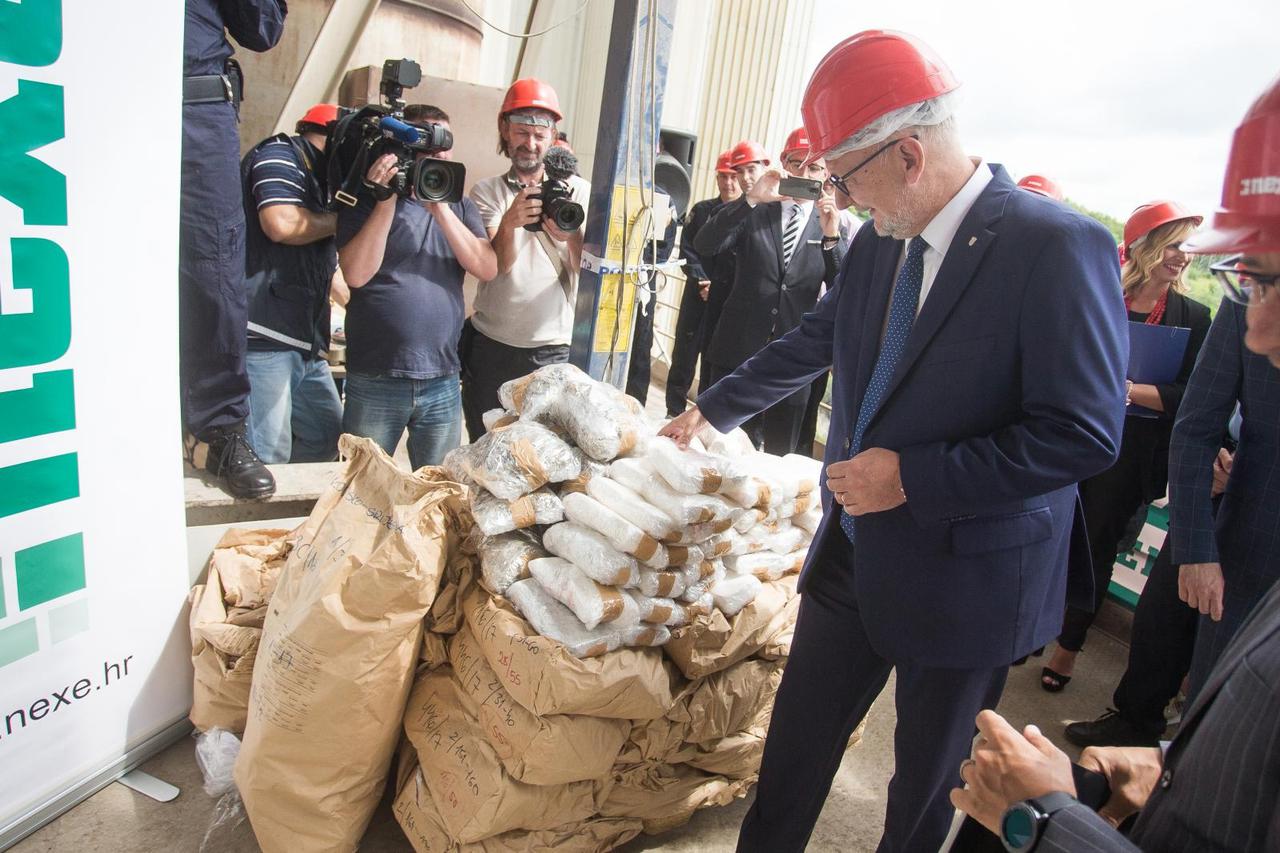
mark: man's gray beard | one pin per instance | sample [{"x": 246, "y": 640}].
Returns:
[
  {"x": 898, "y": 226},
  {"x": 526, "y": 170}
]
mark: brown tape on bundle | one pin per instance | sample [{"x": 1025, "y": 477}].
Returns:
[
  {"x": 706, "y": 569},
  {"x": 504, "y": 421},
  {"x": 711, "y": 481},
  {"x": 530, "y": 466},
  {"x": 521, "y": 388},
  {"x": 666, "y": 583},
  {"x": 577, "y": 484},
  {"x": 523, "y": 513},
  {"x": 766, "y": 496},
  {"x": 645, "y": 637},
  {"x": 803, "y": 502},
  {"x": 719, "y": 549},
  {"x": 646, "y": 549},
  {"x": 627, "y": 441},
  {"x": 677, "y": 555},
  {"x": 659, "y": 614},
  {"x": 612, "y": 600}
]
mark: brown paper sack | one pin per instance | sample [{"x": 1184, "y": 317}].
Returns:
[
  {"x": 551, "y": 750},
  {"x": 249, "y": 563},
  {"x": 420, "y": 819},
  {"x": 222, "y": 655},
  {"x": 711, "y": 643},
  {"x": 664, "y": 797},
  {"x": 540, "y": 674},
  {"x": 738, "y": 699},
  {"x": 474, "y": 795},
  {"x": 342, "y": 637}
]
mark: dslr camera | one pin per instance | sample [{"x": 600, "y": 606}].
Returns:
[
  {"x": 558, "y": 205},
  {"x": 359, "y": 137}
]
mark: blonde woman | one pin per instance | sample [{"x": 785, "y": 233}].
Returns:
[{"x": 1152, "y": 277}]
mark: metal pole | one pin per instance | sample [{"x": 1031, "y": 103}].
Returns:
[{"x": 635, "y": 75}]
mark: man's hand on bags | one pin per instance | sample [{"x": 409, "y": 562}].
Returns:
[
  {"x": 869, "y": 482},
  {"x": 684, "y": 427}
]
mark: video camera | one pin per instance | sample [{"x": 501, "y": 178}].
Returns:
[
  {"x": 360, "y": 137},
  {"x": 558, "y": 205}
]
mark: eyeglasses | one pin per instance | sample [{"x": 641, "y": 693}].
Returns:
[
  {"x": 838, "y": 181},
  {"x": 1240, "y": 284}
]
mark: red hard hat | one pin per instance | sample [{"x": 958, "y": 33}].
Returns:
[
  {"x": 723, "y": 164},
  {"x": 1249, "y": 219},
  {"x": 865, "y": 77},
  {"x": 1042, "y": 185},
  {"x": 531, "y": 94},
  {"x": 797, "y": 140},
  {"x": 1151, "y": 216},
  {"x": 320, "y": 115},
  {"x": 746, "y": 152}
]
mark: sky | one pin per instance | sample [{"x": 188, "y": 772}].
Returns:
[{"x": 1120, "y": 102}]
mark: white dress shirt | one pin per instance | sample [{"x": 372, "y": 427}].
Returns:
[{"x": 942, "y": 229}]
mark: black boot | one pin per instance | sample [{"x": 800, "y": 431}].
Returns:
[
  {"x": 1111, "y": 729},
  {"x": 231, "y": 459}
]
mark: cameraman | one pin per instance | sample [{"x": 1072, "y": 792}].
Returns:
[
  {"x": 404, "y": 261},
  {"x": 290, "y": 261},
  {"x": 523, "y": 316}
]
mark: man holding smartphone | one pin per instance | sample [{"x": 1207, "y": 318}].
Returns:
[{"x": 780, "y": 269}]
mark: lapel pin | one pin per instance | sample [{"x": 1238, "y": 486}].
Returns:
[{"x": 972, "y": 240}]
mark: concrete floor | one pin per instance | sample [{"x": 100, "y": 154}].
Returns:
[{"x": 117, "y": 820}]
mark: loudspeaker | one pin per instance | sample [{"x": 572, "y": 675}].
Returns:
[{"x": 672, "y": 170}]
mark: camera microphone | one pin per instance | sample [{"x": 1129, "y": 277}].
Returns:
[
  {"x": 560, "y": 163},
  {"x": 406, "y": 133}
]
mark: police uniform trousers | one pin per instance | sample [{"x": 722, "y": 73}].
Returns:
[
  {"x": 487, "y": 364},
  {"x": 832, "y": 676},
  {"x": 685, "y": 350},
  {"x": 212, "y": 300}
]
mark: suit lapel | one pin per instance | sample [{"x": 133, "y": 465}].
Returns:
[
  {"x": 958, "y": 268},
  {"x": 775, "y": 225},
  {"x": 801, "y": 256}
]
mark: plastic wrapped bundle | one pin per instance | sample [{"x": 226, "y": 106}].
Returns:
[
  {"x": 505, "y": 559},
  {"x": 696, "y": 534},
  {"x": 661, "y": 584},
  {"x": 628, "y": 503},
  {"x": 750, "y": 491},
  {"x": 749, "y": 518},
  {"x": 590, "y": 470},
  {"x": 454, "y": 464},
  {"x": 734, "y": 443},
  {"x": 633, "y": 473},
  {"x": 687, "y": 509},
  {"x": 498, "y": 418},
  {"x": 624, "y": 535},
  {"x": 809, "y": 519},
  {"x": 717, "y": 546},
  {"x": 494, "y": 516},
  {"x": 679, "y": 556},
  {"x": 766, "y": 565},
  {"x": 743, "y": 543},
  {"x": 591, "y": 602},
  {"x": 593, "y": 554},
  {"x": 690, "y": 471},
  {"x": 699, "y": 571},
  {"x": 517, "y": 459},
  {"x": 695, "y": 591},
  {"x": 646, "y": 635},
  {"x": 656, "y": 609},
  {"x": 602, "y": 421},
  {"x": 785, "y": 539},
  {"x": 808, "y": 472},
  {"x": 552, "y": 619},
  {"x": 795, "y": 506},
  {"x": 735, "y": 592}
]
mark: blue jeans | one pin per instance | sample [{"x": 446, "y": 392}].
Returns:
[
  {"x": 381, "y": 407},
  {"x": 294, "y": 411}
]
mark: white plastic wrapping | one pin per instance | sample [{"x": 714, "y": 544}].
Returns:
[
  {"x": 628, "y": 503},
  {"x": 552, "y": 619},
  {"x": 646, "y": 635},
  {"x": 663, "y": 611},
  {"x": 735, "y": 592},
  {"x": 734, "y": 443},
  {"x": 766, "y": 565},
  {"x": 602, "y": 421},
  {"x": 745, "y": 543},
  {"x": 808, "y": 472},
  {"x": 495, "y": 516},
  {"x": 750, "y": 491},
  {"x": 632, "y": 473},
  {"x": 517, "y": 459},
  {"x": 679, "y": 556},
  {"x": 590, "y": 470},
  {"x": 717, "y": 546},
  {"x": 749, "y": 518},
  {"x": 624, "y": 535},
  {"x": 505, "y": 559},
  {"x": 697, "y": 591},
  {"x": 784, "y": 538},
  {"x": 591, "y": 602},
  {"x": 661, "y": 584},
  {"x": 687, "y": 509},
  {"x": 592, "y": 553},
  {"x": 691, "y": 471},
  {"x": 809, "y": 519},
  {"x": 697, "y": 534},
  {"x": 498, "y": 418}
]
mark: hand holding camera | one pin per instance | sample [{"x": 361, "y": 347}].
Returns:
[
  {"x": 765, "y": 189},
  {"x": 525, "y": 209}
]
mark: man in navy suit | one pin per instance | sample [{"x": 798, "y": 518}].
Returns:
[{"x": 978, "y": 344}]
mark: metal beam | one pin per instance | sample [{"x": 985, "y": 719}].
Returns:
[
  {"x": 627, "y": 134},
  {"x": 326, "y": 63}
]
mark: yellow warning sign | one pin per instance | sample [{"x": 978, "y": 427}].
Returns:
[
  {"x": 612, "y": 306},
  {"x": 628, "y": 235}
]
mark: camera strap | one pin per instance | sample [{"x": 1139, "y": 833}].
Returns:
[{"x": 562, "y": 272}]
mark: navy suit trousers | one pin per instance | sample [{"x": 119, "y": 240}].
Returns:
[{"x": 832, "y": 677}]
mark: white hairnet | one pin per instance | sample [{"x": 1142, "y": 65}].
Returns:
[{"x": 923, "y": 114}]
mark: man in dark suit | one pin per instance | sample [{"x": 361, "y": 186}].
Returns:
[
  {"x": 1217, "y": 785},
  {"x": 957, "y": 438},
  {"x": 697, "y": 288},
  {"x": 779, "y": 269}
]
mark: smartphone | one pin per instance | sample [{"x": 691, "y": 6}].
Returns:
[{"x": 800, "y": 188}]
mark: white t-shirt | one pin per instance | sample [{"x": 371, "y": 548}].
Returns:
[{"x": 527, "y": 306}]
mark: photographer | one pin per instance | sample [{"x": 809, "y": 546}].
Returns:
[
  {"x": 404, "y": 261},
  {"x": 523, "y": 315},
  {"x": 290, "y": 261}
]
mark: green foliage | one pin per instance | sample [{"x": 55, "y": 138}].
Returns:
[{"x": 1115, "y": 226}]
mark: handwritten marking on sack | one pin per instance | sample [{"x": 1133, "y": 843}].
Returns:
[
  {"x": 445, "y": 738},
  {"x": 382, "y": 516},
  {"x": 284, "y": 697}
]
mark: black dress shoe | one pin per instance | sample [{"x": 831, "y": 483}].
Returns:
[
  {"x": 1111, "y": 729},
  {"x": 232, "y": 460}
]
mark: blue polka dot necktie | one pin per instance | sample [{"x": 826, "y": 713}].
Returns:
[{"x": 902, "y": 314}]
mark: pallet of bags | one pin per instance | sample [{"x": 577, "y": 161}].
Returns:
[{"x": 227, "y": 612}]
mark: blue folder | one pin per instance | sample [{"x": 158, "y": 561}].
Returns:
[{"x": 1155, "y": 357}]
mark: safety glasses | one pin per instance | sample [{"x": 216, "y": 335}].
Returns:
[
  {"x": 1239, "y": 284},
  {"x": 838, "y": 181}
]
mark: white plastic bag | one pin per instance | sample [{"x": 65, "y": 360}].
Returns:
[
  {"x": 701, "y": 590},
  {"x": 691, "y": 471},
  {"x": 697, "y": 534},
  {"x": 592, "y": 553},
  {"x": 591, "y": 602},
  {"x": 734, "y": 443},
  {"x": 495, "y": 516},
  {"x": 782, "y": 537},
  {"x": 590, "y": 470},
  {"x": 602, "y": 421},
  {"x": 505, "y": 559},
  {"x": 628, "y": 503},
  {"x": 517, "y": 459},
  {"x": 809, "y": 519},
  {"x": 661, "y": 611},
  {"x": 498, "y": 418},
  {"x": 808, "y": 472},
  {"x": 766, "y": 565},
  {"x": 735, "y": 592},
  {"x": 552, "y": 619},
  {"x": 624, "y": 535},
  {"x": 687, "y": 509},
  {"x": 660, "y": 584},
  {"x": 646, "y": 635},
  {"x": 633, "y": 472},
  {"x": 228, "y": 830}
]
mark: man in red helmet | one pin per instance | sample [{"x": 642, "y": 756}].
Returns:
[
  {"x": 978, "y": 345},
  {"x": 1046, "y": 187},
  {"x": 699, "y": 271},
  {"x": 290, "y": 267},
  {"x": 1216, "y": 786},
  {"x": 780, "y": 269},
  {"x": 523, "y": 317}
]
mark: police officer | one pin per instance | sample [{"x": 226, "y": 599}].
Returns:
[
  {"x": 294, "y": 411},
  {"x": 697, "y": 288},
  {"x": 211, "y": 291}
]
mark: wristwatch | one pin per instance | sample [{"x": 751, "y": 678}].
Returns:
[{"x": 1023, "y": 823}]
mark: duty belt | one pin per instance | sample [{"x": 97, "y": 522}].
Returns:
[{"x": 214, "y": 88}]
